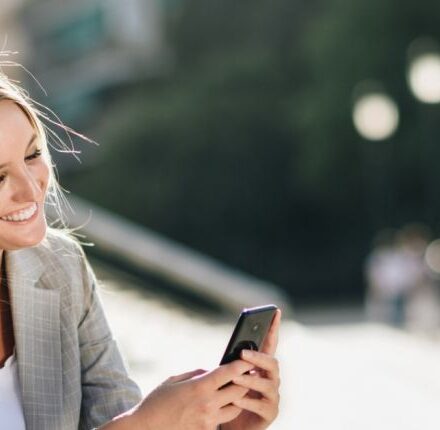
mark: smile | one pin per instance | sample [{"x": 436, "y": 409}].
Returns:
[{"x": 22, "y": 215}]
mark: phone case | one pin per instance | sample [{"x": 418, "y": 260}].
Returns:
[{"x": 249, "y": 332}]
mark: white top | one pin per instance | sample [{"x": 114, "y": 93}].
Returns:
[{"x": 11, "y": 408}]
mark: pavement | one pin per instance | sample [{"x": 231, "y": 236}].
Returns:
[{"x": 337, "y": 373}]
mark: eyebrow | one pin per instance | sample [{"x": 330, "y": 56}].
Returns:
[{"x": 31, "y": 141}]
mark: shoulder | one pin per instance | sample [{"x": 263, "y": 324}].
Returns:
[
  {"x": 60, "y": 247},
  {"x": 57, "y": 239},
  {"x": 63, "y": 259},
  {"x": 59, "y": 264},
  {"x": 57, "y": 253},
  {"x": 67, "y": 270}
]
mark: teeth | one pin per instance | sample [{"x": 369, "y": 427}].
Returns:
[{"x": 21, "y": 215}]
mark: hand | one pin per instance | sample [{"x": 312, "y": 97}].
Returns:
[
  {"x": 195, "y": 400},
  {"x": 260, "y": 405}
]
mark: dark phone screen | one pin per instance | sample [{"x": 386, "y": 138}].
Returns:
[{"x": 250, "y": 331}]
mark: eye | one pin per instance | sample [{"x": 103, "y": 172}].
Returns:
[
  {"x": 2, "y": 178},
  {"x": 36, "y": 154}
]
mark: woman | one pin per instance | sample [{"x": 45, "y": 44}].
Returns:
[{"x": 60, "y": 368}]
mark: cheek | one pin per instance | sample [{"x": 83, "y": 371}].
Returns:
[{"x": 42, "y": 174}]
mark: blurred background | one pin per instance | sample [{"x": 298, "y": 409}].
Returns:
[{"x": 252, "y": 151}]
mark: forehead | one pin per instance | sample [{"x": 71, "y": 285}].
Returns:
[{"x": 15, "y": 127}]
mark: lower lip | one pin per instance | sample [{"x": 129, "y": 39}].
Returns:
[{"x": 27, "y": 221}]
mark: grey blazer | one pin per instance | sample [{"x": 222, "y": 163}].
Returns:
[{"x": 70, "y": 370}]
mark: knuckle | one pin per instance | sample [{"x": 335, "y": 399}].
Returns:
[
  {"x": 260, "y": 407},
  {"x": 245, "y": 365},
  {"x": 235, "y": 412},
  {"x": 243, "y": 391},
  {"x": 236, "y": 366},
  {"x": 239, "y": 392}
]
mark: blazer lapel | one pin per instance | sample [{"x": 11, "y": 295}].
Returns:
[{"x": 36, "y": 319}]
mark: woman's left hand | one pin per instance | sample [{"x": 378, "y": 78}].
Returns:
[{"x": 260, "y": 405}]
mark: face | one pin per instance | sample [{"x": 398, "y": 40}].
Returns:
[{"x": 24, "y": 176}]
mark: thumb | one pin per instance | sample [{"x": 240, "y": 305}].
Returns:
[{"x": 184, "y": 376}]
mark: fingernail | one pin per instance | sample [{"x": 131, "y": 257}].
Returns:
[{"x": 246, "y": 353}]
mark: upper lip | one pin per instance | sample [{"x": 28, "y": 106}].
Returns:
[{"x": 20, "y": 210}]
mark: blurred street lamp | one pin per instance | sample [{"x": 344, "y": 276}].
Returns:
[
  {"x": 375, "y": 116},
  {"x": 423, "y": 76}
]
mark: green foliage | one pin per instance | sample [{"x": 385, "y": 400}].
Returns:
[
  {"x": 208, "y": 161},
  {"x": 248, "y": 153},
  {"x": 348, "y": 43}
]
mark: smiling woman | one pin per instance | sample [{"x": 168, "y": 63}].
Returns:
[
  {"x": 59, "y": 365},
  {"x": 24, "y": 177}
]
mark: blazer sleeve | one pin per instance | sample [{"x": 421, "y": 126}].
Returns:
[{"x": 107, "y": 391}]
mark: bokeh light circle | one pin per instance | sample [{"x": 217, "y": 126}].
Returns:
[
  {"x": 432, "y": 256},
  {"x": 375, "y": 116},
  {"x": 424, "y": 77}
]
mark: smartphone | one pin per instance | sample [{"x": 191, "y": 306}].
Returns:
[{"x": 249, "y": 332}]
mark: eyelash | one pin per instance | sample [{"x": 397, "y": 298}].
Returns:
[
  {"x": 36, "y": 154},
  {"x": 31, "y": 157}
]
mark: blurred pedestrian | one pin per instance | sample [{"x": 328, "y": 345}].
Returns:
[
  {"x": 423, "y": 314},
  {"x": 412, "y": 241},
  {"x": 394, "y": 270},
  {"x": 383, "y": 271}
]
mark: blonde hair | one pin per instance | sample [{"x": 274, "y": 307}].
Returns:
[{"x": 42, "y": 118}]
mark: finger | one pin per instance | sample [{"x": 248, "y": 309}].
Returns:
[
  {"x": 271, "y": 340},
  {"x": 229, "y": 394},
  {"x": 228, "y": 413},
  {"x": 227, "y": 372},
  {"x": 263, "y": 361},
  {"x": 266, "y": 387},
  {"x": 262, "y": 407},
  {"x": 185, "y": 376}
]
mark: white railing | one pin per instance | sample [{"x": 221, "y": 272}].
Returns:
[{"x": 183, "y": 267}]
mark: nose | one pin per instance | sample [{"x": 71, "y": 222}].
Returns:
[{"x": 26, "y": 187}]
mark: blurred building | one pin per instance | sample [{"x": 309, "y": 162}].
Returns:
[
  {"x": 80, "y": 49},
  {"x": 12, "y": 34}
]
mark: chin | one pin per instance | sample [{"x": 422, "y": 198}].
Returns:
[
  {"x": 33, "y": 238},
  {"x": 31, "y": 242}
]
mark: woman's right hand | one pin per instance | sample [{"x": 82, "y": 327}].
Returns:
[{"x": 196, "y": 400}]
